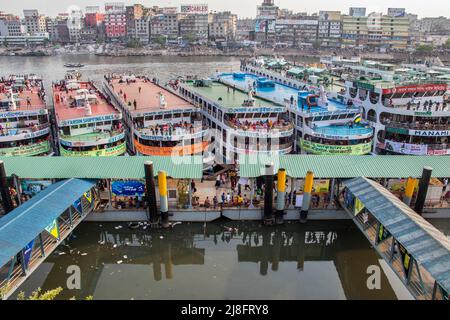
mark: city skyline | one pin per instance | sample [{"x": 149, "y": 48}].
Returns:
[{"x": 243, "y": 10}]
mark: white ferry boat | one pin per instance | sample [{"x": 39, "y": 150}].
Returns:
[
  {"x": 88, "y": 124},
  {"x": 24, "y": 118}
]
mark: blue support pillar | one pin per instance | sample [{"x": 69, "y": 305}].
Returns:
[
  {"x": 70, "y": 217},
  {"x": 41, "y": 244}
]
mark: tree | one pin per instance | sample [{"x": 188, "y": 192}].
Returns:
[
  {"x": 134, "y": 43},
  {"x": 190, "y": 38},
  {"x": 161, "y": 40},
  {"x": 424, "y": 49},
  {"x": 37, "y": 295},
  {"x": 447, "y": 44}
]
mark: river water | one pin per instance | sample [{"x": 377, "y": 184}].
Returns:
[
  {"x": 319, "y": 260},
  {"x": 162, "y": 67}
]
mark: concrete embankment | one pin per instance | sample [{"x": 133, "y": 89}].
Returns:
[{"x": 236, "y": 214}]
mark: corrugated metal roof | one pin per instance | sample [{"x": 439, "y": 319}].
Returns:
[
  {"x": 101, "y": 167},
  {"x": 424, "y": 242},
  {"x": 340, "y": 166},
  {"x": 26, "y": 222}
]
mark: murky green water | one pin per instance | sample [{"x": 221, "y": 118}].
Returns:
[{"x": 319, "y": 260}]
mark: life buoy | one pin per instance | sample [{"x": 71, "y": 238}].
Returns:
[{"x": 308, "y": 100}]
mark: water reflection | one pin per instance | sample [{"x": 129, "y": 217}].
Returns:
[{"x": 216, "y": 261}]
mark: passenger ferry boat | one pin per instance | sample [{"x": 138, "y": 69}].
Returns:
[
  {"x": 323, "y": 124},
  {"x": 88, "y": 124},
  {"x": 158, "y": 122},
  {"x": 410, "y": 112},
  {"x": 242, "y": 123},
  {"x": 24, "y": 118}
]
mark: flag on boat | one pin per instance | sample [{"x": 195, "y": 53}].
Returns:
[{"x": 357, "y": 119}]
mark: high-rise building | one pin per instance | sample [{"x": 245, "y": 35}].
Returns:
[
  {"x": 354, "y": 30},
  {"x": 133, "y": 13},
  {"x": 34, "y": 22},
  {"x": 376, "y": 30},
  {"x": 223, "y": 26},
  {"x": 11, "y": 26},
  {"x": 93, "y": 17},
  {"x": 164, "y": 24},
  {"x": 330, "y": 28},
  {"x": 115, "y": 21},
  {"x": 267, "y": 14},
  {"x": 194, "y": 22},
  {"x": 297, "y": 31},
  {"x": 75, "y": 23},
  {"x": 245, "y": 29}
]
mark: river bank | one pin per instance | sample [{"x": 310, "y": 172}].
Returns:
[{"x": 117, "y": 50}]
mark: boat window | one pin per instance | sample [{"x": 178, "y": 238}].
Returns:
[
  {"x": 66, "y": 131},
  {"x": 158, "y": 117},
  {"x": 148, "y": 118},
  {"x": 186, "y": 114},
  {"x": 12, "y": 120},
  {"x": 177, "y": 115},
  {"x": 91, "y": 124},
  {"x": 167, "y": 116},
  {"x": 324, "y": 118},
  {"x": 107, "y": 123},
  {"x": 265, "y": 115},
  {"x": 83, "y": 126},
  {"x": 248, "y": 115}
]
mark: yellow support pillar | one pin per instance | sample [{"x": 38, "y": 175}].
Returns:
[
  {"x": 163, "y": 204},
  {"x": 281, "y": 195},
  {"x": 409, "y": 191}
]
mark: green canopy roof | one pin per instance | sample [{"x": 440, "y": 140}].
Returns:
[
  {"x": 339, "y": 166},
  {"x": 101, "y": 167},
  {"x": 295, "y": 71}
]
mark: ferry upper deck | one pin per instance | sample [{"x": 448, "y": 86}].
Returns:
[
  {"x": 244, "y": 123},
  {"x": 24, "y": 121},
  {"x": 280, "y": 93},
  {"x": 158, "y": 121},
  {"x": 89, "y": 125}
]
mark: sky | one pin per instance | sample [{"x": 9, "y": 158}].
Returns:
[{"x": 244, "y": 8}]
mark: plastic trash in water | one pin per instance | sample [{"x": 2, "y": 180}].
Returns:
[
  {"x": 84, "y": 254},
  {"x": 119, "y": 262}
]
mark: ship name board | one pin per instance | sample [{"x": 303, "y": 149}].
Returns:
[
  {"x": 156, "y": 113},
  {"x": 17, "y": 114},
  {"x": 254, "y": 110},
  {"x": 108, "y": 117},
  {"x": 430, "y": 133},
  {"x": 68, "y": 143},
  {"x": 416, "y": 88}
]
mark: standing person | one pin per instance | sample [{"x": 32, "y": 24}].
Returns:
[
  {"x": 215, "y": 202},
  {"x": 217, "y": 182},
  {"x": 223, "y": 197},
  {"x": 228, "y": 198},
  {"x": 193, "y": 190}
]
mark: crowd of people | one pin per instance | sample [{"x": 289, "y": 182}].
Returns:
[
  {"x": 259, "y": 125},
  {"x": 167, "y": 129}
]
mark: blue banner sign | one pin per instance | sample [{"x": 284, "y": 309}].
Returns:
[
  {"x": 27, "y": 251},
  {"x": 128, "y": 188}
]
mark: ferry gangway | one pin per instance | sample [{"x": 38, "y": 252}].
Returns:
[
  {"x": 32, "y": 231},
  {"x": 416, "y": 251}
]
